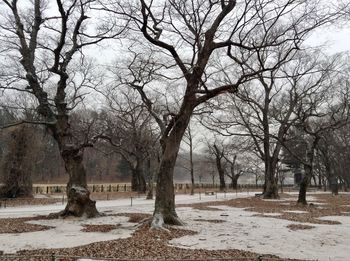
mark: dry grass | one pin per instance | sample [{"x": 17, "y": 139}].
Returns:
[
  {"x": 134, "y": 217},
  {"x": 19, "y": 225},
  {"x": 299, "y": 227},
  {"x": 99, "y": 228}
]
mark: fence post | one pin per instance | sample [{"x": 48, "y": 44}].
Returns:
[{"x": 131, "y": 201}]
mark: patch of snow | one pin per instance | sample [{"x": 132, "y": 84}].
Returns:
[
  {"x": 296, "y": 211},
  {"x": 320, "y": 203},
  {"x": 267, "y": 236},
  {"x": 274, "y": 200},
  {"x": 241, "y": 229},
  {"x": 66, "y": 233},
  {"x": 272, "y": 214},
  {"x": 341, "y": 219}
]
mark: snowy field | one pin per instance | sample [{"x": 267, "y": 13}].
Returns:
[{"x": 237, "y": 229}]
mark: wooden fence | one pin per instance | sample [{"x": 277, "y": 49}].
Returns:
[{"x": 124, "y": 187}]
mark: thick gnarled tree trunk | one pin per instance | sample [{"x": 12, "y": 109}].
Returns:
[{"x": 79, "y": 203}]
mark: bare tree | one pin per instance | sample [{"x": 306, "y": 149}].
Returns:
[
  {"x": 190, "y": 140},
  {"x": 42, "y": 49},
  {"x": 328, "y": 111},
  {"x": 128, "y": 128},
  {"x": 218, "y": 151},
  {"x": 16, "y": 165},
  {"x": 187, "y": 35},
  {"x": 265, "y": 109}
]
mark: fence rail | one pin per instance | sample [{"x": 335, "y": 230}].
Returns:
[{"x": 126, "y": 187}]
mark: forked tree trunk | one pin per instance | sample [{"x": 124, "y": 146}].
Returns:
[
  {"x": 79, "y": 203},
  {"x": 221, "y": 171}
]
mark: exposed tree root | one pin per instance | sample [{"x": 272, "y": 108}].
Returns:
[
  {"x": 158, "y": 221},
  {"x": 302, "y": 203},
  {"x": 79, "y": 205},
  {"x": 270, "y": 195}
]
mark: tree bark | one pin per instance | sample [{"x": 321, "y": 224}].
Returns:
[
  {"x": 16, "y": 177},
  {"x": 271, "y": 185},
  {"x": 221, "y": 171},
  {"x": 234, "y": 181},
  {"x": 308, "y": 168},
  {"x": 191, "y": 166},
  {"x": 150, "y": 179},
  {"x": 138, "y": 182},
  {"x": 164, "y": 211},
  {"x": 79, "y": 203},
  {"x": 304, "y": 185}
]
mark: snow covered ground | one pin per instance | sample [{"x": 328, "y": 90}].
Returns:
[{"x": 239, "y": 229}]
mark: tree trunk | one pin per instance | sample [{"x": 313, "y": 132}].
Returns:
[
  {"x": 221, "y": 171},
  {"x": 308, "y": 168},
  {"x": 138, "y": 182},
  {"x": 304, "y": 184},
  {"x": 334, "y": 186},
  {"x": 150, "y": 179},
  {"x": 134, "y": 180},
  {"x": 192, "y": 167},
  {"x": 271, "y": 185},
  {"x": 16, "y": 176},
  {"x": 79, "y": 203},
  {"x": 192, "y": 182},
  {"x": 142, "y": 182},
  {"x": 222, "y": 180},
  {"x": 319, "y": 181},
  {"x": 234, "y": 181},
  {"x": 164, "y": 211}
]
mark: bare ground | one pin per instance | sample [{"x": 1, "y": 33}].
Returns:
[
  {"x": 144, "y": 244},
  {"x": 153, "y": 244},
  {"x": 324, "y": 205}
]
